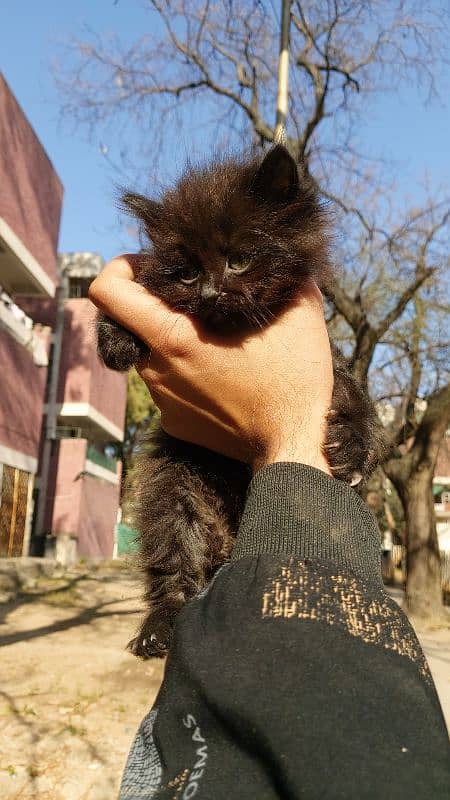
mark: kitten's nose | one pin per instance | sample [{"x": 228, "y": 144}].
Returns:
[{"x": 209, "y": 292}]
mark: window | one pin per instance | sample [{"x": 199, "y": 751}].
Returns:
[{"x": 79, "y": 287}]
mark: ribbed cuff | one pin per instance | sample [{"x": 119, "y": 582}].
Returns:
[{"x": 293, "y": 509}]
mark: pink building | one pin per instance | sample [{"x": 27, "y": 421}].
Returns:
[{"x": 60, "y": 409}]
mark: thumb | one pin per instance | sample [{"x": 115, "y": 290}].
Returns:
[{"x": 115, "y": 292}]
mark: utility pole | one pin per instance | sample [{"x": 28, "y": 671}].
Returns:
[
  {"x": 84, "y": 267},
  {"x": 52, "y": 412},
  {"x": 283, "y": 74}
]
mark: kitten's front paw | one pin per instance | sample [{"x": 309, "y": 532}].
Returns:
[{"x": 118, "y": 348}]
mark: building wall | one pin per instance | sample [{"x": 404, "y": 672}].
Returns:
[
  {"x": 31, "y": 192},
  {"x": 83, "y": 377},
  {"x": 79, "y": 504},
  {"x": 100, "y": 501},
  {"x": 22, "y": 392},
  {"x": 69, "y": 464},
  {"x": 76, "y": 503},
  {"x": 21, "y": 396},
  {"x": 84, "y": 506}
]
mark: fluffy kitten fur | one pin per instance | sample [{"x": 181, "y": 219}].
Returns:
[{"x": 231, "y": 244}]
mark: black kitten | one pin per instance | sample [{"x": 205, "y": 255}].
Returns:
[{"x": 232, "y": 244}]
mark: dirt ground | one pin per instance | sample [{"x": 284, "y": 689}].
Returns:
[{"x": 71, "y": 697}]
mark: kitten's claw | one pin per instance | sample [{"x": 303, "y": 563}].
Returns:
[{"x": 146, "y": 647}]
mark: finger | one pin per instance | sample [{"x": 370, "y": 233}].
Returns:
[{"x": 115, "y": 292}]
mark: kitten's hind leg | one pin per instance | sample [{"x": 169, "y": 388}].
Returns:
[
  {"x": 187, "y": 505},
  {"x": 354, "y": 443}
]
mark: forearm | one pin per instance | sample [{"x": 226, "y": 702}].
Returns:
[{"x": 294, "y": 674}]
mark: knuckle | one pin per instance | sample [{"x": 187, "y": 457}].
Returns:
[
  {"x": 97, "y": 291},
  {"x": 178, "y": 351},
  {"x": 166, "y": 423}
]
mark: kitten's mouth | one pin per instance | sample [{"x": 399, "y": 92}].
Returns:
[
  {"x": 218, "y": 318},
  {"x": 215, "y": 318}
]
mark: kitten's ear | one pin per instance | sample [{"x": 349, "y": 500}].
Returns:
[
  {"x": 277, "y": 178},
  {"x": 148, "y": 211}
]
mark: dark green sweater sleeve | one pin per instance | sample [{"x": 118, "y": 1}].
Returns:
[{"x": 294, "y": 675}]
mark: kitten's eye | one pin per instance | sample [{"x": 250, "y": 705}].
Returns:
[
  {"x": 237, "y": 264},
  {"x": 189, "y": 275}
]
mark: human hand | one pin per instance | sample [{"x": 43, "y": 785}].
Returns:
[{"x": 260, "y": 398}]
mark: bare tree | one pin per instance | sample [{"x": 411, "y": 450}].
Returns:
[
  {"x": 211, "y": 69},
  {"x": 397, "y": 319},
  {"x": 210, "y": 64}
]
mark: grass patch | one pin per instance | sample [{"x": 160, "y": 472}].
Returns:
[
  {"x": 29, "y": 710},
  {"x": 76, "y": 730},
  {"x": 63, "y": 597},
  {"x": 10, "y": 769}
]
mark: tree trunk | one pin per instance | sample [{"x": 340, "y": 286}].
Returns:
[
  {"x": 423, "y": 599},
  {"x": 412, "y": 476},
  {"x": 366, "y": 342}
]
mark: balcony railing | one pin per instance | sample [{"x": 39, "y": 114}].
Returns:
[{"x": 99, "y": 458}]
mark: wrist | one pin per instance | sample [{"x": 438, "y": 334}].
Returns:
[
  {"x": 301, "y": 450},
  {"x": 307, "y": 460}
]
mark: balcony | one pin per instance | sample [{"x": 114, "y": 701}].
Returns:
[
  {"x": 21, "y": 327},
  {"x": 90, "y": 396},
  {"x": 20, "y": 273},
  {"x": 93, "y": 424},
  {"x": 101, "y": 459}
]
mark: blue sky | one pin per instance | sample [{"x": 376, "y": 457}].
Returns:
[{"x": 402, "y": 127}]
